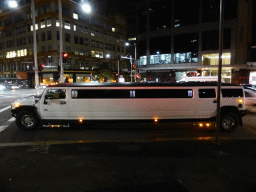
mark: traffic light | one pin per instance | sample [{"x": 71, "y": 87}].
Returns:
[
  {"x": 133, "y": 66},
  {"x": 64, "y": 56},
  {"x": 42, "y": 66}
]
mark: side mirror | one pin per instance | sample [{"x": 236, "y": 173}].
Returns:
[{"x": 47, "y": 98}]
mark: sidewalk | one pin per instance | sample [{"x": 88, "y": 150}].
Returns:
[{"x": 155, "y": 166}]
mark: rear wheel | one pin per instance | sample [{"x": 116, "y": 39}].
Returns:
[
  {"x": 229, "y": 121},
  {"x": 27, "y": 120}
]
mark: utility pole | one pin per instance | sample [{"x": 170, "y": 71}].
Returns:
[
  {"x": 61, "y": 44},
  {"x": 35, "y": 46},
  {"x": 219, "y": 72}
]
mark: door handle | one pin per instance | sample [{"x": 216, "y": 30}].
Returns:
[
  {"x": 215, "y": 101},
  {"x": 63, "y": 102}
]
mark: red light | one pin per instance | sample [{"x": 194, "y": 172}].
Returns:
[
  {"x": 43, "y": 65},
  {"x": 65, "y": 55}
]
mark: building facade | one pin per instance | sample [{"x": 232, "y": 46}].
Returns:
[
  {"x": 92, "y": 41},
  {"x": 181, "y": 38}
]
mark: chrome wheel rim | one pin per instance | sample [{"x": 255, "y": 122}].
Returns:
[
  {"x": 228, "y": 123},
  {"x": 27, "y": 121}
]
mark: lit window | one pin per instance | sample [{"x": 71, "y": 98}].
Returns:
[
  {"x": 93, "y": 53},
  {"x": 67, "y": 24},
  {"x": 11, "y": 54},
  {"x": 92, "y": 34},
  {"x": 75, "y": 16},
  {"x": 113, "y": 29},
  {"x": 31, "y": 27},
  {"x": 74, "y": 27},
  {"x": 42, "y": 23},
  {"x": 49, "y": 22}
]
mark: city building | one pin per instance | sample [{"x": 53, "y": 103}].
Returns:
[
  {"x": 92, "y": 41},
  {"x": 179, "y": 38}
]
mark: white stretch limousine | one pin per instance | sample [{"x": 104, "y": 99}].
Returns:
[{"x": 62, "y": 104}]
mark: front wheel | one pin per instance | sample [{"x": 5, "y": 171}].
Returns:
[
  {"x": 229, "y": 121},
  {"x": 27, "y": 120}
]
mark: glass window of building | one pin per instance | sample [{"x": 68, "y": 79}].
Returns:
[
  {"x": 213, "y": 59},
  {"x": 49, "y": 35},
  {"x": 49, "y": 22},
  {"x": 143, "y": 60},
  {"x": 31, "y": 26},
  {"x": 67, "y": 37},
  {"x": 75, "y": 16},
  {"x": 42, "y": 23},
  {"x": 43, "y": 36},
  {"x": 67, "y": 24}
]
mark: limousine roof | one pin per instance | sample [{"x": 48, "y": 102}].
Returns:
[{"x": 129, "y": 84}]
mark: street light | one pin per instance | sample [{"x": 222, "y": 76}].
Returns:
[
  {"x": 86, "y": 8},
  {"x": 128, "y": 44},
  {"x": 13, "y": 4}
]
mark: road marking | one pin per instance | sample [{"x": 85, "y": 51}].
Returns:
[
  {"x": 6, "y": 124},
  {"x": 5, "y": 109}
]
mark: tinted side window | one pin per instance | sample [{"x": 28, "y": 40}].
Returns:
[
  {"x": 232, "y": 92},
  {"x": 56, "y": 93},
  {"x": 207, "y": 93},
  {"x": 153, "y": 93},
  {"x": 164, "y": 93},
  {"x": 88, "y": 94}
]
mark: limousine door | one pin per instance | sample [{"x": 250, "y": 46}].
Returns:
[
  {"x": 207, "y": 103},
  {"x": 54, "y": 104}
]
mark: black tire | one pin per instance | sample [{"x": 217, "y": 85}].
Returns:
[
  {"x": 27, "y": 120},
  {"x": 229, "y": 121}
]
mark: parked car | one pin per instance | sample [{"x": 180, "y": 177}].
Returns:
[
  {"x": 12, "y": 87},
  {"x": 245, "y": 86},
  {"x": 2, "y": 87},
  {"x": 250, "y": 97}
]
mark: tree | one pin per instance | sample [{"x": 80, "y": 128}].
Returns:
[{"x": 105, "y": 73}]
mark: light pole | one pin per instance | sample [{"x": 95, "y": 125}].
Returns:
[
  {"x": 87, "y": 8},
  {"x": 128, "y": 44},
  {"x": 61, "y": 44},
  {"x": 13, "y": 4},
  {"x": 35, "y": 45}
]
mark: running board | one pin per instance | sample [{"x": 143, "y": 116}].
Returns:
[{"x": 55, "y": 125}]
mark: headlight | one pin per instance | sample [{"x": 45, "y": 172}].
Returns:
[{"x": 17, "y": 104}]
